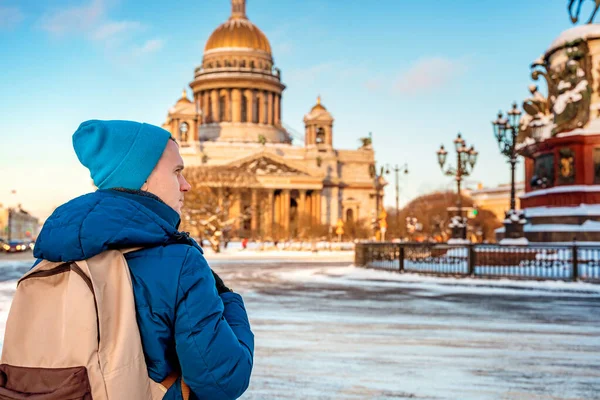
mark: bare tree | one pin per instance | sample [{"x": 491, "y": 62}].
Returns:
[
  {"x": 431, "y": 212},
  {"x": 207, "y": 211}
]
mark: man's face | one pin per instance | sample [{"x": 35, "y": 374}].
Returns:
[{"x": 166, "y": 180}]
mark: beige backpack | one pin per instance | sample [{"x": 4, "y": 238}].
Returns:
[{"x": 72, "y": 334}]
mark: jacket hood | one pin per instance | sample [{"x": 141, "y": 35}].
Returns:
[{"x": 107, "y": 219}]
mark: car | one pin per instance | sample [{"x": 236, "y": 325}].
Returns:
[{"x": 15, "y": 246}]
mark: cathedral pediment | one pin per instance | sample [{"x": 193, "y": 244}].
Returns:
[{"x": 264, "y": 164}]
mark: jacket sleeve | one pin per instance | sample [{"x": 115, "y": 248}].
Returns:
[{"x": 214, "y": 343}]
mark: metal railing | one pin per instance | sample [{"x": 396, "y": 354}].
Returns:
[{"x": 535, "y": 261}]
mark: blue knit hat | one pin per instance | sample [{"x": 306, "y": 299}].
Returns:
[{"x": 119, "y": 153}]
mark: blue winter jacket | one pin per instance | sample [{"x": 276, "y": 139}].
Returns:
[{"x": 184, "y": 323}]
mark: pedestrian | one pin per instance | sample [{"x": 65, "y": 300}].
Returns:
[
  {"x": 189, "y": 320},
  {"x": 244, "y": 243}
]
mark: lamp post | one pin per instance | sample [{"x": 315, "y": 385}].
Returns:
[
  {"x": 10, "y": 217},
  {"x": 377, "y": 185},
  {"x": 506, "y": 130},
  {"x": 397, "y": 169},
  {"x": 465, "y": 162}
]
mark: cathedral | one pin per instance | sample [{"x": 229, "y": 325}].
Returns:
[{"x": 234, "y": 121}]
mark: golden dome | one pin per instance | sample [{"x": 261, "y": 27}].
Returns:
[{"x": 238, "y": 31}]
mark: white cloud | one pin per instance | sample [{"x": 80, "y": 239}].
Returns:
[
  {"x": 10, "y": 17},
  {"x": 310, "y": 74},
  {"x": 91, "y": 21},
  {"x": 112, "y": 29},
  {"x": 78, "y": 19},
  {"x": 150, "y": 46},
  {"x": 428, "y": 74}
]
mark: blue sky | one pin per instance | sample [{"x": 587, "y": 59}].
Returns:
[{"x": 412, "y": 72}]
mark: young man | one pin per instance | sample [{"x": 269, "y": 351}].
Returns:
[{"x": 189, "y": 321}]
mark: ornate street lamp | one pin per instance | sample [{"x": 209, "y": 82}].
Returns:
[
  {"x": 506, "y": 130},
  {"x": 466, "y": 158},
  {"x": 397, "y": 169}
]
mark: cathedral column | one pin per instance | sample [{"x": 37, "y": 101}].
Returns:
[
  {"x": 317, "y": 208},
  {"x": 286, "y": 212},
  {"x": 214, "y": 99},
  {"x": 199, "y": 106},
  {"x": 228, "y": 108},
  {"x": 236, "y": 105},
  {"x": 301, "y": 209},
  {"x": 269, "y": 213},
  {"x": 277, "y": 215},
  {"x": 319, "y": 203},
  {"x": 309, "y": 135},
  {"x": 313, "y": 207},
  {"x": 205, "y": 109},
  {"x": 248, "y": 95},
  {"x": 236, "y": 209},
  {"x": 261, "y": 107},
  {"x": 254, "y": 208},
  {"x": 220, "y": 198},
  {"x": 270, "y": 113},
  {"x": 277, "y": 112}
]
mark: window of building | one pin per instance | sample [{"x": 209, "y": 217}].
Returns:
[
  {"x": 349, "y": 215},
  {"x": 543, "y": 172},
  {"x": 183, "y": 132},
  {"x": 320, "y": 135}
]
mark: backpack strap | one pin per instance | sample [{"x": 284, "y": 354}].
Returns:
[{"x": 130, "y": 250}]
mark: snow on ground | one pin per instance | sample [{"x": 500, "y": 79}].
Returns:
[
  {"x": 356, "y": 276},
  {"x": 258, "y": 256},
  {"x": 328, "y": 330},
  {"x": 341, "y": 332}
]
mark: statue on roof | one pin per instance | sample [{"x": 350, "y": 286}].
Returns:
[{"x": 575, "y": 16}]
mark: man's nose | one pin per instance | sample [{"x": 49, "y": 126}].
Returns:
[{"x": 185, "y": 186}]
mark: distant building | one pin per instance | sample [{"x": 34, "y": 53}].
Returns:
[
  {"x": 234, "y": 121},
  {"x": 17, "y": 224},
  {"x": 496, "y": 199}
]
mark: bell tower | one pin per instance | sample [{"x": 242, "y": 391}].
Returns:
[{"x": 318, "y": 126}]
